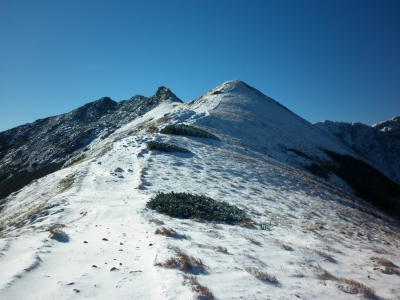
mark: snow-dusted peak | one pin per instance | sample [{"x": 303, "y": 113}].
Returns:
[
  {"x": 165, "y": 94},
  {"x": 239, "y": 111},
  {"x": 231, "y": 85},
  {"x": 238, "y": 87}
]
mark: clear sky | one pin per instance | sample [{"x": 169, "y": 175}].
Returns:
[{"x": 323, "y": 59}]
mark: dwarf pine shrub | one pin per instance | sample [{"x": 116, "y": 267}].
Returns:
[
  {"x": 182, "y": 129},
  {"x": 185, "y": 205},
  {"x": 165, "y": 147}
]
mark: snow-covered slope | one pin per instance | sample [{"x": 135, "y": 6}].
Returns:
[
  {"x": 316, "y": 238},
  {"x": 245, "y": 115}
]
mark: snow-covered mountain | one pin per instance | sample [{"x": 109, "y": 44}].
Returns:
[
  {"x": 33, "y": 150},
  {"x": 379, "y": 144},
  {"x": 311, "y": 233}
]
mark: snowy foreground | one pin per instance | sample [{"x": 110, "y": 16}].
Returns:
[
  {"x": 310, "y": 228},
  {"x": 318, "y": 241}
]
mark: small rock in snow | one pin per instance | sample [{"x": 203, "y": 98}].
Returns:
[
  {"x": 113, "y": 269},
  {"x": 71, "y": 283},
  {"x": 85, "y": 242},
  {"x": 94, "y": 266},
  {"x": 104, "y": 239}
]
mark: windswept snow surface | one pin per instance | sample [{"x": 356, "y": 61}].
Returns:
[{"x": 310, "y": 234}]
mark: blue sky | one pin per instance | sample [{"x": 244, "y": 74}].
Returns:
[{"x": 336, "y": 60}]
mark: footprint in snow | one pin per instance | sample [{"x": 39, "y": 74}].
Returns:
[{"x": 120, "y": 283}]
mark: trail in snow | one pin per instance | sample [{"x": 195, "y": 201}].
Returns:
[{"x": 111, "y": 234}]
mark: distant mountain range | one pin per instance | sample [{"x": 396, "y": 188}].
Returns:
[
  {"x": 34, "y": 150},
  {"x": 362, "y": 158}
]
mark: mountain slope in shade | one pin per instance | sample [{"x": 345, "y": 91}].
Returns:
[
  {"x": 379, "y": 144},
  {"x": 311, "y": 233},
  {"x": 33, "y": 150}
]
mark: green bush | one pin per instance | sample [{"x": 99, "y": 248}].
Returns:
[
  {"x": 185, "y": 205},
  {"x": 182, "y": 129},
  {"x": 165, "y": 147}
]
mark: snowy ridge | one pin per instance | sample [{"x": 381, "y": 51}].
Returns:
[
  {"x": 315, "y": 237},
  {"x": 33, "y": 150}
]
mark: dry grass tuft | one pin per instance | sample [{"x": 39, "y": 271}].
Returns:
[
  {"x": 201, "y": 291},
  {"x": 67, "y": 182},
  {"x": 355, "y": 287},
  {"x": 331, "y": 249},
  {"x": 151, "y": 128},
  {"x": 58, "y": 234},
  {"x": 170, "y": 233},
  {"x": 282, "y": 245},
  {"x": 324, "y": 274},
  {"x": 252, "y": 240},
  {"x": 220, "y": 249},
  {"x": 156, "y": 221},
  {"x": 263, "y": 276},
  {"x": 213, "y": 234},
  {"x": 383, "y": 262},
  {"x": 352, "y": 286},
  {"x": 246, "y": 224},
  {"x": 182, "y": 261},
  {"x": 254, "y": 259},
  {"x": 390, "y": 267},
  {"x": 325, "y": 256},
  {"x": 377, "y": 250}
]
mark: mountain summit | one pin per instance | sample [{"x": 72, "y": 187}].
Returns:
[
  {"x": 165, "y": 94},
  {"x": 310, "y": 205}
]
